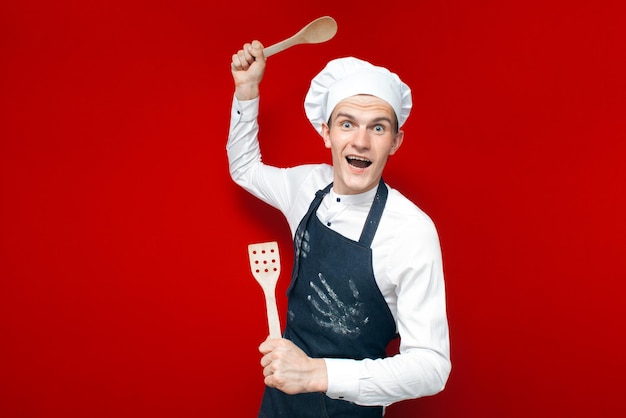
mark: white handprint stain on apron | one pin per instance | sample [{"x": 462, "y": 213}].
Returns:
[{"x": 341, "y": 317}]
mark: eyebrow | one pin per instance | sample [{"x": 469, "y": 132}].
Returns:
[{"x": 376, "y": 120}]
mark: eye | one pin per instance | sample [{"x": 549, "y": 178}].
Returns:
[
  {"x": 346, "y": 124},
  {"x": 379, "y": 128}
]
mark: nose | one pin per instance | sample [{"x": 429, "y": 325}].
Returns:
[{"x": 361, "y": 139}]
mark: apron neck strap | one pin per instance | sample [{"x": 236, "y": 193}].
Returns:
[{"x": 373, "y": 218}]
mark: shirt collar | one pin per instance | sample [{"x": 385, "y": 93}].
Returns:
[{"x": 353, "y": 199}]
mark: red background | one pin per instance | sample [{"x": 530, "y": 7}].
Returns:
[{"x": 124, "y": 284}]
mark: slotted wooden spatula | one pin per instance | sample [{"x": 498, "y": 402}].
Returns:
[{"x": 265, "y": 266}]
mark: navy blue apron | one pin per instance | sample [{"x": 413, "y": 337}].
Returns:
[{"x": 335, "y": 309}]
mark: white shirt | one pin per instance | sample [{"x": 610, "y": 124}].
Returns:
[{"x": 406, "y": 260}]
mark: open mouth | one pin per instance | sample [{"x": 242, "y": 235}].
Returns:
[{"x": 358, "y": 162}]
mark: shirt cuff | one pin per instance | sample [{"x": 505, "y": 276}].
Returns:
[
  {"x": 244, "y": 110},
  {"x": 343, "y": 379}
]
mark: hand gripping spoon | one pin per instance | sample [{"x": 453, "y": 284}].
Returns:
[
  {"x": 320, "y": 30},
  {"x": 265, "y": 265}
]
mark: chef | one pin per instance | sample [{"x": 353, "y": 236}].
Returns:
[{"x": 367, "y": 261}]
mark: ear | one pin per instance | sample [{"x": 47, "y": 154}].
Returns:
[
  {"x": 397, "y": 141},
  {"x": 326, "y": 134}
]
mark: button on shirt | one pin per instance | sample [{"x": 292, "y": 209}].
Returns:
[{"x": 406, "y": 259}]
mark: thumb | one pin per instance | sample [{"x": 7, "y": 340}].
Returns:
[
  {"x": 256, "y": 50},
  {"x": 266, "y": 346}
]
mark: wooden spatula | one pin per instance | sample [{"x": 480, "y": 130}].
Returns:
[{"x": 265, "y": 266}]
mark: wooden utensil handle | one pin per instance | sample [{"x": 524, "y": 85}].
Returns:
[
  {"x": 272, "y": 314},
  {"x": 279, "y": 47}
]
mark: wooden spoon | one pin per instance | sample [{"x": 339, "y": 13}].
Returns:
[{"x": 320, "y": 30}]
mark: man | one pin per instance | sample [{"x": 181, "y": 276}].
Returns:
[{"x": 367, "y": 264}]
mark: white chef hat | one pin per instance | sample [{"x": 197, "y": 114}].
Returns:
[{"x": 345, "y": 77}]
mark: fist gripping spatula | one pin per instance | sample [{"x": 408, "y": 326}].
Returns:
[{"x": 265, "y": 266}]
